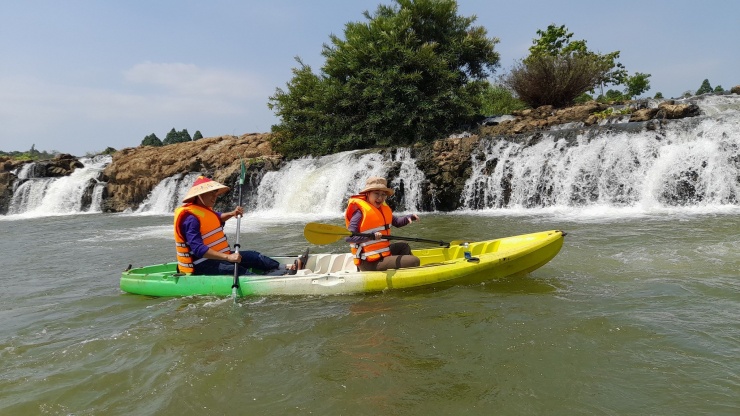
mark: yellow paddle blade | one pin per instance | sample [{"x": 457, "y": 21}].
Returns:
[{"x": 320, "y": 234}]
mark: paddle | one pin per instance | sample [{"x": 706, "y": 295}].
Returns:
[
  {"x": 235, "y": 285},
  {"x": 320, "y": 234}
]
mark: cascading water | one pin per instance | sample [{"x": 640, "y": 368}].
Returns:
[
  {"x": 307, "y": 186},
  {"x": 689, "y": 162},
  {"x": 322, "y": 185},
  {"x": 80, "y": 192},
  {"x": 409, "y": 181},
  {"x": 167, "y": 195}
]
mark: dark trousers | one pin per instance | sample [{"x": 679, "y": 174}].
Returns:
[
  {"x": 400, "y": 257},
  {"x": 250, "y": 260}
]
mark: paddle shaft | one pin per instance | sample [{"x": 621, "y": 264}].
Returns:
[
  {"x": 326, "y": 234},
  {"x": 396, "y": 237},
  {"x": 235, "y": 284}
]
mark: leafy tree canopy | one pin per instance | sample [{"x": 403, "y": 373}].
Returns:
[
  {"x": 197, "y": 135},
  {"x": 558, "y": 69},
  {"x": 412, "y": 72},
  {"x": 636, "y": 85}
]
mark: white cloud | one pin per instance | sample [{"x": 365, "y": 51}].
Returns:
[{"x": 191, "y": 80}]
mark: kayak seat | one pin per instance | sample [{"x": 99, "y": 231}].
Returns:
[{"x": 333, "y": 263}]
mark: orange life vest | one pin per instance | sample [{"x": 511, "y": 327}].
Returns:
[
  {"x": 373, "y": 220},
  {"x": 211, "y": 230}
]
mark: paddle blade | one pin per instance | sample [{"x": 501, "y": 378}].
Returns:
[{"x": 316, "y": 233}]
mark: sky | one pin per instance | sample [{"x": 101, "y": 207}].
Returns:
[{"x": 79, "y": 76}]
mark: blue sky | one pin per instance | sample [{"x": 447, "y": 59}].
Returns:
[{"x": 78, "y": 76}]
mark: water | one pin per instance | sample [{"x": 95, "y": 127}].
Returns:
[{"x": 636, "y": 315}]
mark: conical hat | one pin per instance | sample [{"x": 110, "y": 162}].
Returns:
[{"x": 203, "y": 185}]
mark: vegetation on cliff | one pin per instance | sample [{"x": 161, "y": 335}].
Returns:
[
  {"x": 31, "y": 155},
  {"x": 172, "y": 137},
  {"x": 558, "y": 70},
  {"x": 412, "y": 72}
]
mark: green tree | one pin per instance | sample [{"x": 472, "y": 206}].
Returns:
[
  {"x": 151, "y": 140},
  {"x": 613, "y": 95},
  {"x": 175, "y": 136},
  {"x": 497, "y": 99},
  {"x": 558, "y": 70},
  {"x": 636, "y": 85},
  {"x": 719, "y": 88},
  {"x": 197, "y": 135},
  {"x": 412, "y": 72},
  {"x": 185, "y": 136},
  {"x": 658, "y": 95},
  {"x": 704, "y": 88}
]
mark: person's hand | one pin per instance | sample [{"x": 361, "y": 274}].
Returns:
[
  {"x": 235, "y": 257},
  {"x": 238, "y": 211},
  {"x": 378, "y": 235},
  {"x": 414, "y": 217}
]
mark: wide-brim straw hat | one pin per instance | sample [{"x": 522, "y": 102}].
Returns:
[
  {"x": 204, "y": 185},
  {"x": 375, "y": 183}
]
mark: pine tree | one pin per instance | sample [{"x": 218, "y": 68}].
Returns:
[
  {"x": 151, "y": 140},
  {"x": 185, "y": 136},
  {"x": 197, "y": 135},
  {"x": 705, "y": 88}
]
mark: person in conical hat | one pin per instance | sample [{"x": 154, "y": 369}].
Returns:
[
  {"x": 201, "y": 244},
  {"x": 203, "y": 185},
  {"x": 368, "y": 213}
]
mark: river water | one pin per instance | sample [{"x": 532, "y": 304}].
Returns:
[{"x": 638, "y": 314}]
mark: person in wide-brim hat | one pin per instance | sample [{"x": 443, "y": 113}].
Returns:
[
  {"x": 201, "y": 244},
  {"x": 375, "y": 183},
  {"x": 368, "y": 213}
]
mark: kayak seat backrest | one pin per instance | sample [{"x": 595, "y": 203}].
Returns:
[
  {"x": 333, "y": 263},
  {"x": 349, "y": 263}
]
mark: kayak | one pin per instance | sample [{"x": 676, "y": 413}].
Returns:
[{"x": 333, "y": 274}]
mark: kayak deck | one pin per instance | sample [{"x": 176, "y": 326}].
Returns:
[{"x": 337, "y": 273}]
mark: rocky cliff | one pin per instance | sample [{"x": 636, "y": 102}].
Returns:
[{"x": 134, "y": 172}]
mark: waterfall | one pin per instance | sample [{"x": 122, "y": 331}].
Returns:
[
  {"x": 167, "y": 195},
  {"x": 318, "y": 185},
  {"x": 80, "y": 192},
  {"x": 689, "y": 162},
  {"x": 307, "y": 186},
  {"x": 408, "y": 183}
]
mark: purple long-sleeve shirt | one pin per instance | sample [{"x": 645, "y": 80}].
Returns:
[
  {"x": 190, "y": 228},
  {"x": 356, "y": 220}
]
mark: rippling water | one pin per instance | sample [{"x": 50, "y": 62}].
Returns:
[{"x": 638, "y": 314}]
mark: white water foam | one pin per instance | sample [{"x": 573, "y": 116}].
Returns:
[{"x": 39, "y": 197}]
